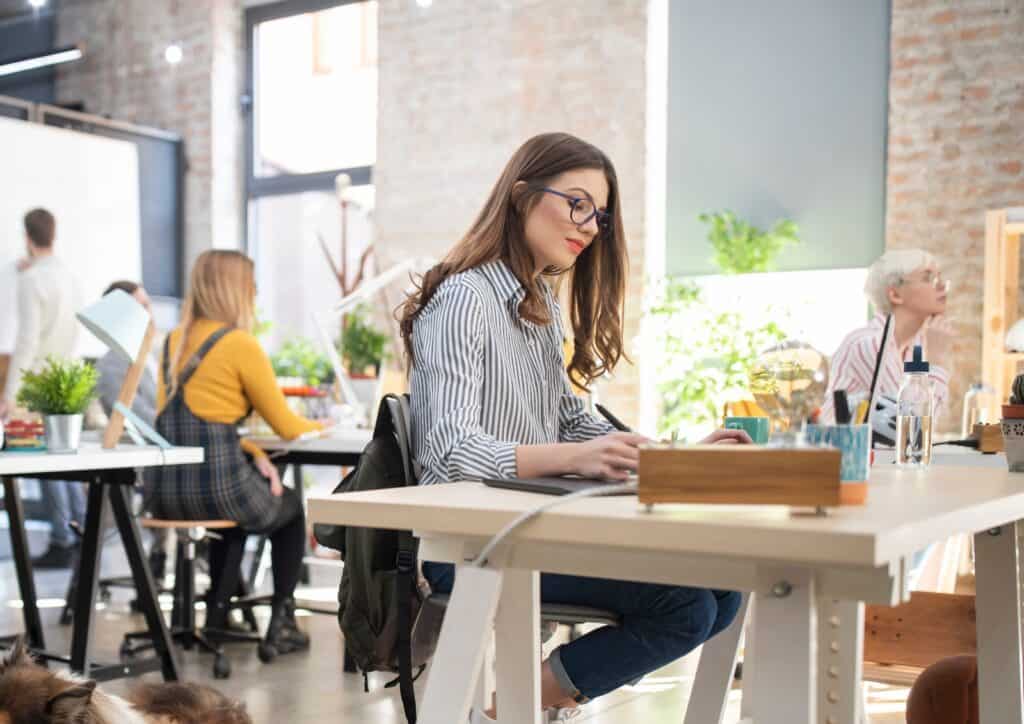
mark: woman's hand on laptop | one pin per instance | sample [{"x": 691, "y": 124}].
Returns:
[
  {"x": 611, "y": 457},
  {"x": 727, "y": 437}
]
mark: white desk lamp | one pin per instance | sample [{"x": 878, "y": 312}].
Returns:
[
  {"x": 124, "y": 325},
  {"x": 366, "y": 290}
]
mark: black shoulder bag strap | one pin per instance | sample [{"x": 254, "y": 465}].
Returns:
[{"x": 406, "y": 567}]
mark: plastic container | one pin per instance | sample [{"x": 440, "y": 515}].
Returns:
[
  {"x": 978, "y": 401},
  {"x": 914, "y": 406}
]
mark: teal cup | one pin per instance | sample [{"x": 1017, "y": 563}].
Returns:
[
  {"x": 756, "y": 427},
  {"x": 853, "y": 443}
]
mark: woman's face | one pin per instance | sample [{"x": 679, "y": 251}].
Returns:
[
  {"x": 552, "y": 234},
  {"x": 923, "y": 292}
]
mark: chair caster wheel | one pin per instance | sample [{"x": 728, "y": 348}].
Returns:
[
  {"x": 126, "y": 651},
  {"x": 221, "y": 667},
  {"x": 266, "y": 652}
]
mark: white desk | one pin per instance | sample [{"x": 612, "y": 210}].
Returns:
[
  {"x": 802, "y": 570},
  {"x": 103, "y": 470},
  {"x": 334, "y": 446}
]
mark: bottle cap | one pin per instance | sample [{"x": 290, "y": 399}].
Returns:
[{"x": 917, "y": 364}]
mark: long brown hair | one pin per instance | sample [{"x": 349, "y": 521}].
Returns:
[
  {"x": 597, "y": 280},
  {"x": 222, "y": 287}
]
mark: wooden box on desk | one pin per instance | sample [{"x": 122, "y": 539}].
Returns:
[{"x": 739, "y": 474}]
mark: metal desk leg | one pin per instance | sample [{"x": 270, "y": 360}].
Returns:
[
  {"x": 713, "y": 679},
  {"x": 840, "y": 661},
  {"x": 517, "y": 648},
  {"x": 998, "y": 623},
  {"x": 465, "y": 635},
  {"x": 300, "y": 489},
  {"x": 23, "y": 564},
  {"x": 784, "y": 691},
  {"x": 88, "y": 569},
  {"x": 145, "y": 590}
]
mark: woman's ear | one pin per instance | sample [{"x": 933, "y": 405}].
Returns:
[{"x": 895, "y": 299}]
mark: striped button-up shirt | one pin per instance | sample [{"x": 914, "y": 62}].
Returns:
[{"x": 485, "y": 381}]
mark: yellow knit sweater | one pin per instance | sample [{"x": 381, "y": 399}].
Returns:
[{"x": 235, "y": 375}]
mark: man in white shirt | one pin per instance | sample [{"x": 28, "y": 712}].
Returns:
[{"x": 47, "y": 302}]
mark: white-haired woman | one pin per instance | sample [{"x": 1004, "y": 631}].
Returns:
[{"x": 907, "y": 284}]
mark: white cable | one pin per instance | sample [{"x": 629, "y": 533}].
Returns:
[{"x": 597, "y": 491}]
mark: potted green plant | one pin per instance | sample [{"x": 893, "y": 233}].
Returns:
[
  {"x": 363, "y": 348},
  {"x": 60, "y": 392},
  {"x": 1015, "y": 409}
]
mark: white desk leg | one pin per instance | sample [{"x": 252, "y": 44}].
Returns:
[
  {"x": 517, "y": 647},
  {"x": 749, "y": 663},
  {"x": 465, "y": 635},
  {"x": 840, "y": 661},
  {"x": 713, "y": 680},
  {"x": 998, "y": 623},
  {"x": 785, "y": 688}
]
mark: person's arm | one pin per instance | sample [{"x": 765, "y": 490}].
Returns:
[
  {"x": 27, "y": 339},
  {"x": 449, "y": 370},
  {"x": 575, "y": 423},
  {"x": 260, "y": 386}
]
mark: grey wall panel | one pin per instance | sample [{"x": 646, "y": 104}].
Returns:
[{"x": 778, "y": 109}]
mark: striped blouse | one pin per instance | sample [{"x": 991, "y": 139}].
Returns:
[
  {"x": 854, "y": 363},
  {"x": 486, "y": 381}
]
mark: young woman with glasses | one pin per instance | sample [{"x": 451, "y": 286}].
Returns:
[{"x": 491, "y": 393}]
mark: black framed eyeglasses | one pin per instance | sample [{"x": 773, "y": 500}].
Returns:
[{"x": 582, "y": 209}]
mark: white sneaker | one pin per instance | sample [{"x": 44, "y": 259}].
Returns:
[
  {"x": 478, "y": 717},
  {"x": 557, "y": 715}
]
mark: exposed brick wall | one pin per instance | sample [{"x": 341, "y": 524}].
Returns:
[
  {"x": 463, "y": 83},
  {"x": 124, "y": 76},
  {"x": 956, "y": 146}
]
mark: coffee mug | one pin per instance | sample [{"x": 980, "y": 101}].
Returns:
[{"x": 756, "y": 427}]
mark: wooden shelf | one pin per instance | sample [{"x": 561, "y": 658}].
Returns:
[{"x": 1003, "y": 231}]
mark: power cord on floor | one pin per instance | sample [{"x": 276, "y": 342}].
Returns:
[{"x": 595, "y": 492}]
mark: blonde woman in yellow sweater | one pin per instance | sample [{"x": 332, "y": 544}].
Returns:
[{"x": 213, "y": 373}]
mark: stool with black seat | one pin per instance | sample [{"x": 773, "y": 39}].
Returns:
[{"x": 226, "y": 583}]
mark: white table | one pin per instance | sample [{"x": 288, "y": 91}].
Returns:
[
  {"x": 107, "y": 472},
  {"x": 345, "y": 445},
  {"x": 802, "y": 570}
]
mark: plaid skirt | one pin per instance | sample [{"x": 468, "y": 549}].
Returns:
[{"x": 225, "y": 486}]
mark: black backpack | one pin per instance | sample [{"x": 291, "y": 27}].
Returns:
[{"x": 388, "y": 620}]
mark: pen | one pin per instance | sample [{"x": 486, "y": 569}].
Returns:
[
  {"x": 842, "y": 407},
  {"x": 616, "y": 422}
]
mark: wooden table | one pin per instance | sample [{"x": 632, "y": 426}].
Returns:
[
  {"x": 809, "y": 575},
  {"x": 108, "y": 473}
]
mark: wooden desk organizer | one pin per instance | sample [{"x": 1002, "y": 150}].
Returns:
[
  {"x": 989, "y": 437},
  {"x": 739, "y": 474}
]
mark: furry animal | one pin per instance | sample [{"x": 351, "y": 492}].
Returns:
[{"x": 31, "y": 694}]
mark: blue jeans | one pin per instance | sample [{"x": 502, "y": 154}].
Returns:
[
  {"x": 659, "y": 625},
  {"x": 64, "y": 502}
]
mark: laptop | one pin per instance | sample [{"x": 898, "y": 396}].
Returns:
[{"x": 550, "y": 486}]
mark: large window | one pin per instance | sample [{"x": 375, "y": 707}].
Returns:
[
  {"x": 313, "y": 115},
  {"x": 315, "y": 87}
]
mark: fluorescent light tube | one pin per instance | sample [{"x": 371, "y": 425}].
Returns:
[{"x": 64, "y": 55}]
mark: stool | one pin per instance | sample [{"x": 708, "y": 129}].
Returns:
[{"x": 183, "y": 626}]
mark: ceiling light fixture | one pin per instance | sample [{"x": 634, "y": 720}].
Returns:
[
  {"x": 37, "y": 4},
  {"x": 32, "y": 62},
  {"x": 173, "y": 54},
  {"x": 424, "y": 3}
]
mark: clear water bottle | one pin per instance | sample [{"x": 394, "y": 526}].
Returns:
[{"x": 914, "y": 415}]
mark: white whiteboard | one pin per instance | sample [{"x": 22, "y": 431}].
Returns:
[{"x": 91, "y": 185}]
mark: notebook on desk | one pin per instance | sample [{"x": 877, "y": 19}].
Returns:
[{"x": 550, "y": 486}]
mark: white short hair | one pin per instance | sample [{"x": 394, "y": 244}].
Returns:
[{"x": 889, "y": 270}]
